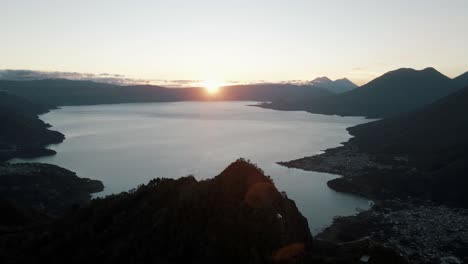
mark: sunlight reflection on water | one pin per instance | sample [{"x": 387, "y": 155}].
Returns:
[{"x": 125, "y": 145}]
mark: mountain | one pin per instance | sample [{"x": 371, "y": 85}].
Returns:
[
  {"x": 421, "y": 154},
  {"x": 320, "y": 80},
  {"x": 434, "y": 140},
  {"x": 344, "y": 85},
  {"x": 393, "y": 93},
  {"x": 462, "y": 80},
  {"x": 14, "y": 216},
  {"x": 434, "y": 130},
  {"x": 15, "y": 104},
  {"x": 23, "y": 134},
  {"x": 337, "y": 86},
  {"x": 271, "y": 92},
  {"x": 57, "y": 92},
  {"x": 237, "y": 217},
  {"x": 426, "y": 150}
]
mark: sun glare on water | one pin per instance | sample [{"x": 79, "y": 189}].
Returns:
[{"x": 212, "y": 86}]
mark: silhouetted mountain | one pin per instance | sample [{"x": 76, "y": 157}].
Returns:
[
  {"x": 57, "y": 92},
  {"x": 393, "y": 93},
  {"x": 297, "y": 97},
  {"x": 439, "y": 126},
  {"x": 272, "y": 92},
  {"x": 420, "y": 154},
  {"x": 462, "y": 80},
  {"x": 66, "y": 92},
  {"x": 23, "y": 133},
  {"x": 337, "y": 86},
  {"x": 320, "y": 80},
  {"x": 15, "y": 104},
  {"x": 237, "y": 217},
  {"x": 434, "y": 139}
]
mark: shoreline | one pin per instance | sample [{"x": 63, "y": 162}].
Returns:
[
  {"x": 356, "y": 170},
  {"x": 392, "y": 223},
  {"x": 396, "y": 220}
]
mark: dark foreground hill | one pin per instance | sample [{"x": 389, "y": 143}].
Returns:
[
  {"x": 422, "y": 154},
  {"x": 14, "y": 216},
  {"x": 393, "y": 93},
  {"x": 22, "y": 133},
  {"x": 237, "y": 217}
]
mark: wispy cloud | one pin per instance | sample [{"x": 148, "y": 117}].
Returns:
[
  {"x": 27, "y": 75},
  {"x": 117, "y": 79}
]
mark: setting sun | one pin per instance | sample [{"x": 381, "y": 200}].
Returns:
[{"x": 212, "y": 86}]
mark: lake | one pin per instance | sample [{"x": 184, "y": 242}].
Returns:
[{"x": 125, "y": 145}]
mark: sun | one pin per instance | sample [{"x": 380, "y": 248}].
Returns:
[{"x": 212, "y": 86}]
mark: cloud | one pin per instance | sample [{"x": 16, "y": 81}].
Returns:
[
  {"x": 117, "y": 79},
  {"x": 27, "y": 75}
]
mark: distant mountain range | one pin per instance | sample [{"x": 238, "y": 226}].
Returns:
[
  {"x": 57, "y": 92},
  {"x": 337, "y": 86},
  {"x": 239, "y": 216},
  {"x": 393, "y": 93}
]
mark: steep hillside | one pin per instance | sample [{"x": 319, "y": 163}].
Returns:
[
  {"x": 421, "y": 154},
  {"x": 237, "y": 217},
  {"x": 434, "y": 139},
  {"x": 23, "y": 134}
]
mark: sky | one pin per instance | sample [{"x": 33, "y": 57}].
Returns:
[{"x": 236, "y": 40}]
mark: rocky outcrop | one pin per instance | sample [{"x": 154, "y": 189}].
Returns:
[{"x": 237, "y": 217}]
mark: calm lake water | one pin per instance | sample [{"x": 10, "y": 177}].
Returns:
[{"x": 128, "y": 144}]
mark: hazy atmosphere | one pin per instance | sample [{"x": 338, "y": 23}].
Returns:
[
  {"x": 219, "y": 131},
  {"x": 241, "y": 41}
]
